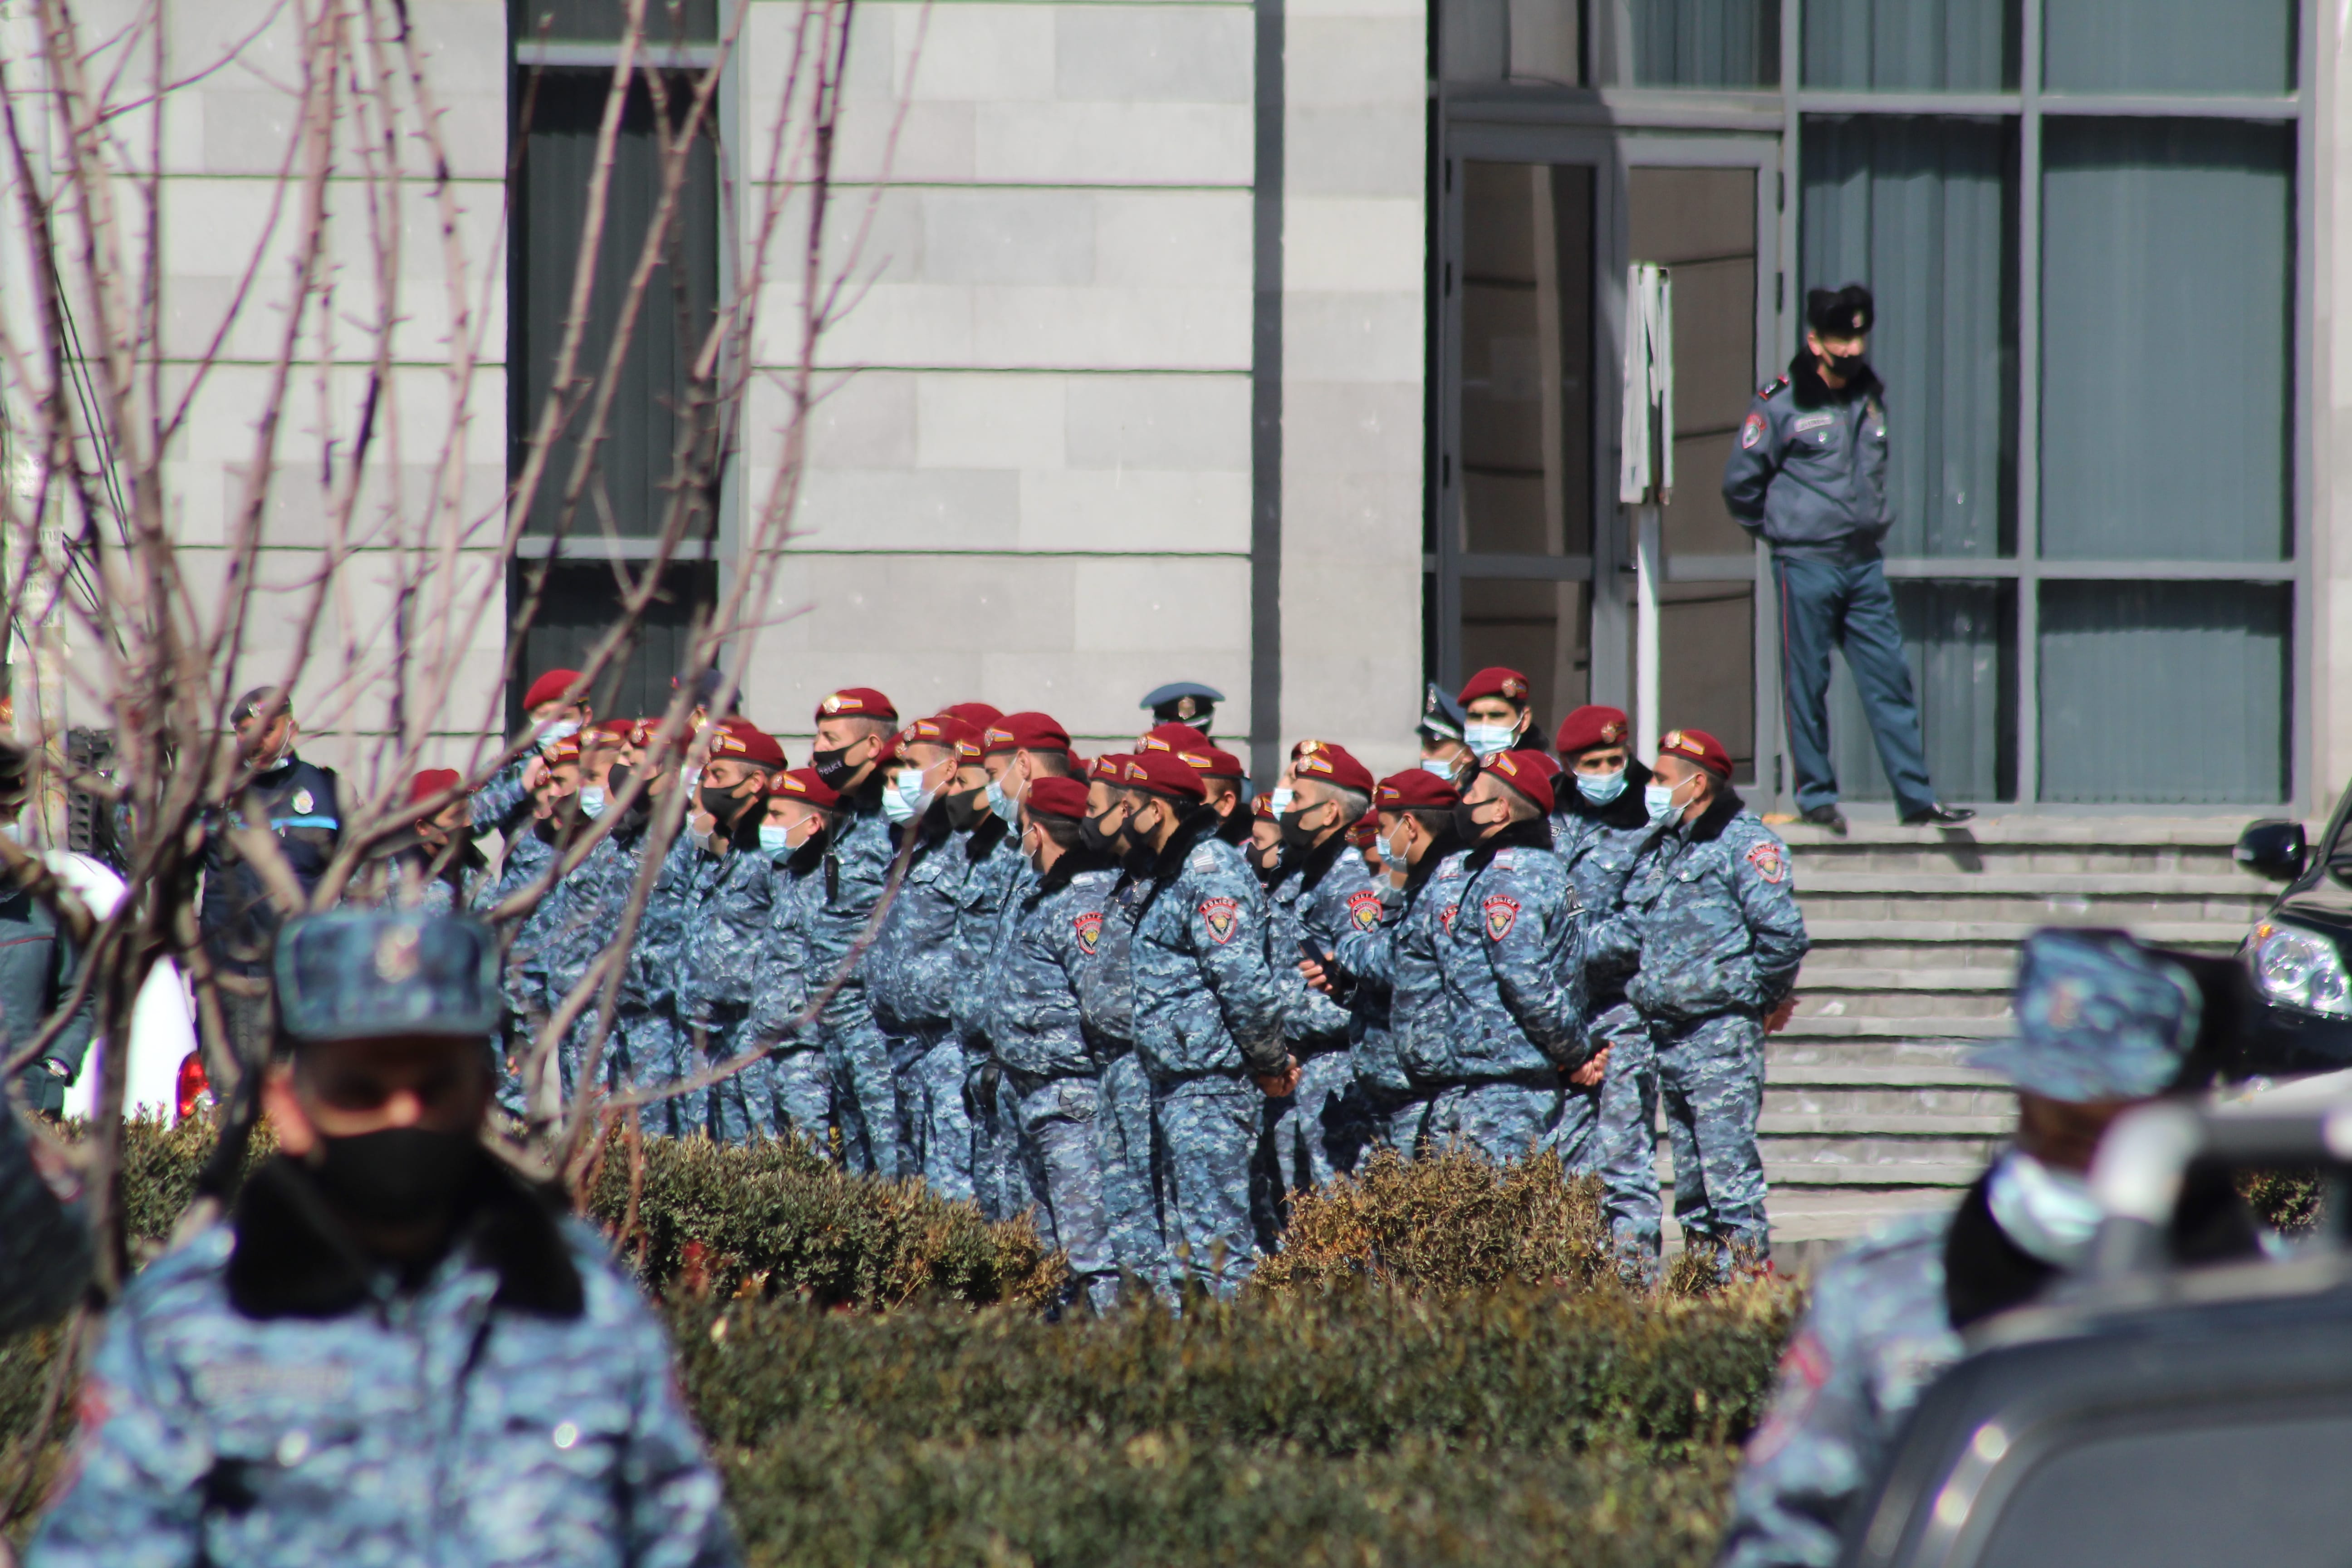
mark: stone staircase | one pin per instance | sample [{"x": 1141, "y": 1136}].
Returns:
[{"x": 1869, "y": 1105}]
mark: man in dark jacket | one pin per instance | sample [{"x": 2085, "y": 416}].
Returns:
[
  {"x": 37, "y": 967},
  {"x": 1809, "y": 474}
]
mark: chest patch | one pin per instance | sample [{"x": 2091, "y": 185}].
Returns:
[
  {"x": 1364, "y": 909},
  {"x": 1769, "y": 863},
  {"x": 1751, "y": 432},
  {"x": 1088, "y": 928},
  {"x": 1813, "y": 422},
  {"x": 1222, "y": 917},
  {"x": 1502, "y": 914},
  {"x": 303, "y": 803}
]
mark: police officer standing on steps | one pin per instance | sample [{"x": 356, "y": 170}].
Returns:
[
  {"x": 1809, "y": 474},
  {"x": 2102, "y": 1024},
  {"x": 395, "y": 1350},
  {"x": 1184, "y": 703}
]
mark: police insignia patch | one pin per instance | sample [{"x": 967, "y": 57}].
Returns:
[
  {"x": 1751, "y": 432},
  {"x": 1769, "y": 863},
  {"x": 303, "y": 803},
  {"x": 1445, "y": 916},
  {"x": 1204, "y": 861},
  {"x": 1813, "y": 422},
  {"x": 396, "y": 954},
  {"x": 1088, "y": 926},
  {"x": 1502, "y": 913},
  {"x": 1222, "y": 917},
  {"x": 1364, "y": 909}
]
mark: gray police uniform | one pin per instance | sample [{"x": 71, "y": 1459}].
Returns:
[
  {"x": 1124, "y": 1140},
  {"x": 1318, "y": 1131},
  {"x": 1400, "y": 999},
  {"x": 659, "y": 1052},
  {"x": 993, "y": 868},
  {"x": 587, "y": 908},
  {"x": 729, "y": 911},
  {"x": 1711, "y": 911},
  {"x": 1206, "y": 1017},
  {"x": 1051, "y": 1072},
  {"x": 1809, "y": 474},
  {"x": 799, "y": 1078},
  {"x": 857, "y": 1054},
  {"x": 911, "y": 977}
]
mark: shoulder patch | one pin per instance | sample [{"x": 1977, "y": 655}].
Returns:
[
  {"x": 1769, "y": 863},
  {"x": 1777, "y": 384},
  {"x": 1364, "y": 909},
  {"x": 1088, "y": 928},
  {"x": 1203, "y": 861},
  {"x": 1450, "y": 871},
  {"x": 1504, "y": 859},
  {"x": 1445, "y": 916},
  {"x": 1751, "y": 432},
  {"x": 1502, "y": 913},
  {"x": 1222, "y": 917}
]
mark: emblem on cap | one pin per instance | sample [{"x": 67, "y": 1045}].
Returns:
[
  {"x": 1672, "y": 742},
  {"x": 1186, "y": 707},
  {"x": 303, "y": 803},
  {"x": 1514, "y": 687},
  {"x": 396, "y": 954},
  {"x": 1613, "y": 731}
]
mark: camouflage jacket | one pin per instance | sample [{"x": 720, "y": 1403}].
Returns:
[
  {"x": 858, "y": 869},
  {"x": 658, "y": 958},
  {"x": 994, "y": 866},
  {"x": 1511, "y": 958},
  {"x": 587, "y": 908},
  {"x": 502, "y": 797},
  {"x": 1205, "y": 1003},
  {"x": 1392, "y": 968},
  {"x": 1106, "y": 987},
  {"x": 911, "y": 970},
  {"x": 1711, "y": 912},
  {"x": 787, "y": 977},
  {"x": 730, "y": 909},
  {"x": 1053, "y": 935},
  {"x": 1328, "y": 893},
  {"x": 1600, "y": 845},
  {"x": 262, "y": 1396}
]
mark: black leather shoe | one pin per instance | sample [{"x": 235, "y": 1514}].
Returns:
[
  {"x": 1940, "y": 816},
  {"x": 1828, "y": 817}
]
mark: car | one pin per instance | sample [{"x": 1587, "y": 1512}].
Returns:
[
  {"x": 2299, "y": 954},
  {"x": 2145, "y": 1415}
]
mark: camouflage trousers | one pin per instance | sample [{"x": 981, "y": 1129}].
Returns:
[
  {"x": 1503, "y": 1119},
  {"x": 1311, "y": 1136},
  {"x": 1208, "y": 1140},
  {"x": 1393, "y": 1117},
  {"x": 1711, "y": 1081},
  {"x": 994, "y": 1140},
  {"x": 864, "y": 1090},
  {"x": 1060, "y": 1170},
  {"x": 1123, "y": 1151},
  {"x": 1611, "y": 1131},
  {"x": 653, "y": 1057},
  {"x": 935, "y": 1129},
  {"x": 800, "y": 1083}
]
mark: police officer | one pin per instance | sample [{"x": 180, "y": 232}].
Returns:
[
  {"x": 1510, "y": 957},
  {"x": 1809, "y": 474},
  {"x": 535, "y": 837},
  {"x": 1208, "y": 1021},
  {"x": 731, "y": 908},
  {"x": 437, "y": 870},
  {"x": 1185, "y": 703},
  {"x": 1221, "y": 774},
  {"x": 298, "y": 803},
  {"x": 1050, "y": 1068},
  {"x": 1323, "y": 891},
  {"x": 395, "y": 1350},
  {"x": 993, "y": 867},
  {"x": 1443, "y": 725},
  {"x": 38, "y": 966},
  {"x": 1498, "y": 714},
  {"x": 1710, "y": 917},
  {"x": 1389, "y": 967},
  {"x": 854, "y": 729},
  {"x": 1609, "y": 1126},
  {"x": 911, "y": 973},
  {"x": 2102, "y": 1024},
  {"x": 1124, "y": 1138},
  {"x": 797, "y": 824}
]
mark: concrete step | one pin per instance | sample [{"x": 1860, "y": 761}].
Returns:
[
  {"x": 1807, "y": 1221},
  {"x": 2045, "y": 900},
  {"x": 1917, "y": 1062},
  {"x": 1781, "y": 1170},
  {"x": 1836, "y": 979},
  {"x": 1831, "y": 997},
  {"x": 1841, "y": 942},
  {"x": 1787, "y": 1071},
  {"x": 1823, "y": 1155},
  {"x": 1869, "y": 1027},
  {"x": 1881, "y": 1104},
  {"x": 1906, "y": 1121}
]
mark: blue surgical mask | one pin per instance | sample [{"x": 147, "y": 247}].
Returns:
[
  {"x": 775, "y": 839},
  {"x": 1658, "y": 800},
  {"x": 1005, "y": 808},
  {"x": 1486, "y": 739},
  {"x": 1283, "y": 801},
  {"x": 1439, "y": 766},
  {"x": 557, "y": 730},
  {"x": 900, "y": 804},
  {"x": 2049, "y": 1212},
  {"x": 1601, "y": 788},
  {"x": 592, "y": 800}
]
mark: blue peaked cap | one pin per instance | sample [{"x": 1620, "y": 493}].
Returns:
[
  {"x": 2098, "y": 1017},
  {"x": 357, "y": 974}
]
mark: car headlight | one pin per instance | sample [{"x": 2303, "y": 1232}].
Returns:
[{"x": 2300, "y": 968}]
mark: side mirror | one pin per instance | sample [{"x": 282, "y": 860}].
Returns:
[{"x": 2274, "y": 849}]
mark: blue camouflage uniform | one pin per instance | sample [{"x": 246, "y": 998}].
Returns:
[
  {"x": 659, "y": 1052},
  {"x": 1710, "y": 912},
  {"x": 586, "y": 910},
  {"x": 1612, "y": 1131},
  {"x": 993, "y": 868},
  {"x": 1510, "y": 958},
  {"x": 857, "y": 1054},
  {"x": 799, "y": 1078},
  {"x": 528, "y": 855},
  {"x": 1126, "y": 1140},
  {"x": 911, "y": 976},
  {"x": 730, "y": 913},
  {"x": 1207, "y": 1017},
  {"x": 260, "y": 1397},
  {"x": 1320, "y": 1129},
  {"x": 1051, "y": 1071},
  {"x": 1391, "y": 970}
]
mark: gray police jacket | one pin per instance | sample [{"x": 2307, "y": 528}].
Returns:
[
  {"x": 1204, "y": 1002},
  {"x": 994, "y": 866},
  {"x": 911, "y": 969},
  {"x": 1600, "y": 845},
  {"x": 1511, "y": 958},
  {"x": 1711, "y": 915},
  {"x": 1052, "y": 935},
  {"x": 1809, "y": 468},
  {"x": 1394, "y": 967},
  {"x": 1327, "y": 894},
  {"x": 728, "y": 915},
  {"x": 261, "y": 1398},
  {"x": 1106, "y": 987},
  {"x": 858, "y": 869}
]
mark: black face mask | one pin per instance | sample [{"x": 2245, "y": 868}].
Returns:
[
  {"x": 1467, "y": 827},
  {"x": 1268, "y": 860},
  {"x": 1848, "y": 368},
  {"x": 832, "y": 766},
  {"x": 1296, "y": 835},
  {"x": 963, "y": 809},
  {"x": 722, "y": 803},
  {"x": 1091, "y": 831},
  {"x": 398, "y": 1176}
]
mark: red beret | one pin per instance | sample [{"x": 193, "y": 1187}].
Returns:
[
  {"x": 1332, "y": 764},
  {"x": 1026, "y": 732},
  {"x": 1592, "y": 725},
  {"x": 1212, "y": 762},
  {"x": 1164, "y": 774},
  {"x": 567, "y": 750},
  {"x": 803, "y": 785},
  {"x": 1262, "y": 807},
  {"x": 1698, "y": 746},
  {"x": 856, "y": 702},
  {"x": 430, "y": 783},
  {"x": 1415, "y": 789},
  {"x": 1110, "y": 768},
  {"x": 1494, "y": 681},
  {"x": 1053, "y": 796},
  {"x": 979, "y": 715},
  {"x": 1173, "y": 738},
  {"x": 745, "y": 741},
  {"x": 1306, "y": 748},
  {"x": 940, "y": 729},
  {"x": 1366, "y": 831},
  {"x": 1529, "y": 773},
  {"x": 553, "y": 686}
]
